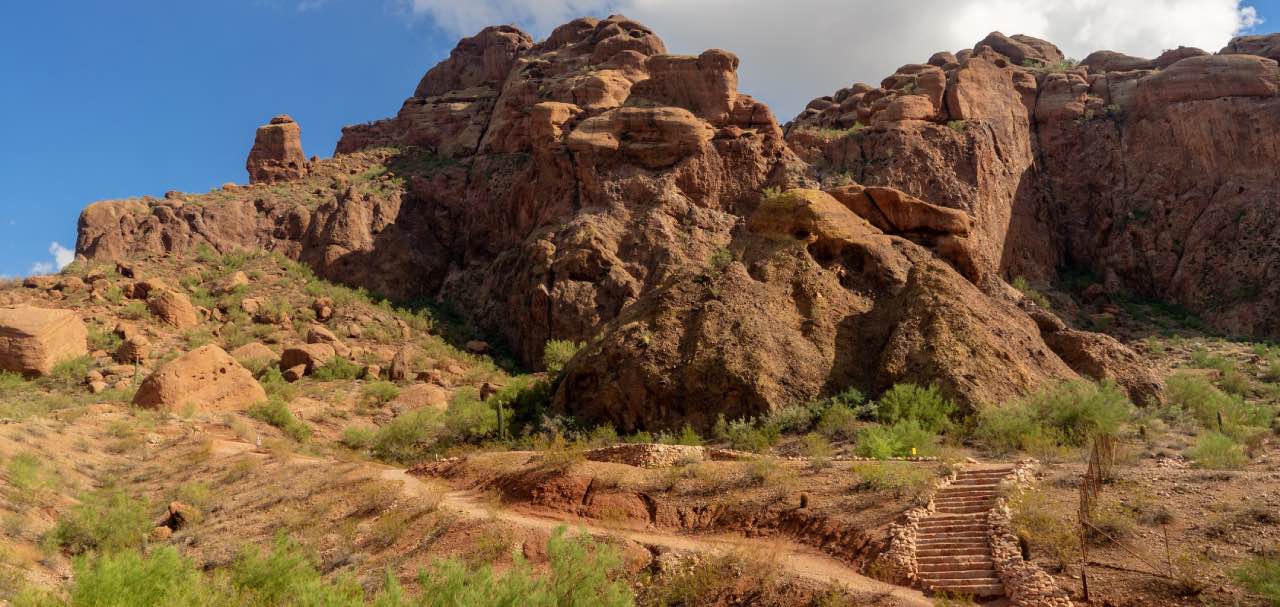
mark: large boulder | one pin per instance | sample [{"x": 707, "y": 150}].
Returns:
[
  {"x": 206, "y": 379},
  {"x": 34, "y": 340},
  {"x": 1209, "y": 77},
  {"x": 1265, "y": 45},
  {"x": 277, "y": 152},
  {"x": 173, "y": 308}
]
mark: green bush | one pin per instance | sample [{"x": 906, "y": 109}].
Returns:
[
  {"x": 107, "y": 521},
  {"x": 1020, "y": 283},
  {"x": 557, "y": 353},
  {"x": 687, "y": 436},
  {"x": 903, "y": 439},
  {"x": 357, "y": 437},
  {"x": 277, "y": 413},
  {"x": 839, "y": 422},
  {"x": 583, "y": 573},
  {"x": 744, "y": 435},
  {"x": 337, "y": 369},
  {"x": 908, "y": 402},
  {"x": 1216, "y": 451},
  {"x": 1261, "y": 575},
  {"x": 275, "y": 385},
  {"x": 408, "y": 437},
  {"x": 1196, "y": 397},
  {"x": 127, "y": 579},
  {"x": 1272, "y": 371},
  {"x": 379, "y": 393},
  {"x": 468, "y": 418},
  {"x": 68, "y": 375},
  {"x": 902, "y": 478},
  {"x": 1070, "y": 412}
]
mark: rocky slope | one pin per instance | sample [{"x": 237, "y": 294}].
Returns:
[
  {"x": 593, "y": 187},
  {"x": 1156, "y": 176}
]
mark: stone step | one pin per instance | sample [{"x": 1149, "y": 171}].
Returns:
[
  {"x": 963, "y": 510},
  {"x": 980, "y": 550},
  {"x": 969, "y": 521},
  {"x": 957, "y": 565},
  {"x": 955, "y": 547},
  {"x": 967, "y": 574},
  {"x": 977, "y": 538},
  {"x": 962, "y": 500},
  {"x": 966, "y": 493},
  {"x": 975, "y": 483},
  {"x": 940, "y": 533},
  {"x": 971, "y": 588}
]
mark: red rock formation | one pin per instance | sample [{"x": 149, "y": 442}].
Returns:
[
  {"x": 1151, "y": 174},
  {"x": 277, "y": 152},
  {"x": 583, "y": 186}
]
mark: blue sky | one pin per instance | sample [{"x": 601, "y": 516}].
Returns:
[{"x": 113, "y": 99}]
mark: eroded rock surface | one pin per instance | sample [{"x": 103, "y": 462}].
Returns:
[
  {"x": 277, "y": 152},
  {"x": 206, "y": 379},
  {"x": 34, "y": 340}
]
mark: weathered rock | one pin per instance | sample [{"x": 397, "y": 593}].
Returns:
[
  {"x": 309, "y": 356},
  {"x": 418, "y": 396},
  {"x": 232, "y": 283},
  {"x": 320, "y": 335},
  {"x": 401, "y": 364},
  {"x": 1266, "y": 45},
  {"x": 277, "y": 152},
  {"x": 255, "y": 353},
  {"x": 133, "y": 350},
  {"x": 206, "y": 379},
  {"x": 1021, "y": 49},
  {"x": 173, "y": 308},
  {"x": 1211, "y": 77},
  {"x": 34, "y": 340}
]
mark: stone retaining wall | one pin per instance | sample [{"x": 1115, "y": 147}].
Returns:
[{"x": 1025, "y": 584}]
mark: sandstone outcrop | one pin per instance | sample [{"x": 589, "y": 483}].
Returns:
[
  {"x": 277, "y": 152},
  {"x": 34, "y": 340},
  {"x": 1150, "y": 174},
  {"x": 549, "y": 189},
  {"x": 206, "y": 379}
]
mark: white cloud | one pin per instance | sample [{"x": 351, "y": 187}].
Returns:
[
  {"x": 62, "y": 257},
  {"x": 794, "y": 50}
]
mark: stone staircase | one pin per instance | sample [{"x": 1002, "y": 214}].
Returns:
[{"x": 953, "y": 553}]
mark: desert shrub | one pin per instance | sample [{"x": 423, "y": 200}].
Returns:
[
  {"x": 905, "y": 480},
  {"x": 468, "y": 418},
  {"x": 135, "y": 310},
  {"x": 107, "y": 520},
  {"x": 337, "y": 369},
  {"x": 379, "y": 393},
  {"x": 582, "y": 573},
  {"x": 745, "y": 435},
  {"x": 686, "y": 436},
  {"x": 1037, "y": 520},
  {"x": 1261, "y": 575},
  {"x": 793, "y": 419},
  {"x": 67, "y": 375},
  {"x": 358, "y": 437},
  {"x": 275, "y": 385},
  {"x": 27, "y": 478},
  {"x": 1234, "y": 381},
  {"x": 103, "y": 339},
  {"x": 525, "y": 401},
  {"x": 1203, "y": 359},
  {"x": 817, "y": 449},
  {"x": 1271, "y": 372},
  {"x": 720, "y": 259},
  {"x": 839, "y": 422},
  {"x": 903, "y": 439},
  {"x": 557, "y": 353},
  {"x": 908, "y": 402},
  {"x": 1020, "y": 283},
  {"x": 1069, "y": 413},
  {"x": 1195, "y": 396},
  {"x": 276, "y": 412},
  {"x": 127, "y": 579},
  {"x": 1216, "y": 451},
  {"x": 408, "y": 437}
]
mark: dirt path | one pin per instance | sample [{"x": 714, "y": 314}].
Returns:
[{"x": 796, "y": 559}]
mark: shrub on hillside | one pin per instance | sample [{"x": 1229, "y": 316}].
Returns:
[
  {"x": 277, "y": 413},
  {"x": 908, "y": 402},
  {"x": 1196, "y": 397},
  {"x": 1261, "y": 575},
  {"x": 1216, "y": 451},
  {"x": 557, "y": 353},
  {"x": 408, "y": 437},
  {"x": 337, "y": 369},
  {"x": 1070, "y": 413},
  {"x": 904, "y": 479},
  {"x": 903, "y": 439},
  {"x": 107, "y": 520}
]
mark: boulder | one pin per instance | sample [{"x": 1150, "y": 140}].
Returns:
[
  {"x": 173, "y": 308},
  {"x": 309, "y": 357},
  {"x": 402, "y": 364},
  {"x": 1111, "y": 61},
  {"x": 418, "y": 396},
  {"x": 1021, "y": 49},
  {"x": 255, "y": 353},
  {"x": 277, "y": 153},
  {"x": 897, "y": 212},
  {"x": 320, "y": 335},
  {"x": 206, "y": 378},
  {"x": 34, "y": 340},
  {"x": 231, "y": 283},
  {"x": 133, "y": 350}
]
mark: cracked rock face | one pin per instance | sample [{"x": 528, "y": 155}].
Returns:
[
  {"x": 1154, "y": 175},
  {"x": 277, "y": 152},
  {"x": 593, "y": 186}
]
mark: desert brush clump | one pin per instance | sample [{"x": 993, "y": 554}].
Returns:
[{"x": 1067, "y": 414}]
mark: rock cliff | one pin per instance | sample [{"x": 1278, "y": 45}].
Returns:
[
  {"x": 593, "y": 187},
  {"x": 1156, "y": 176}
]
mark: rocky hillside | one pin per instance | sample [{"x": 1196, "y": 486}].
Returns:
[
  {"x": 1155, "y": 177},
  {"x": 591, "y": 187}
]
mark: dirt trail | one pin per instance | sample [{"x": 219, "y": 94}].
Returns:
[{"x": 796, "y": 559}]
